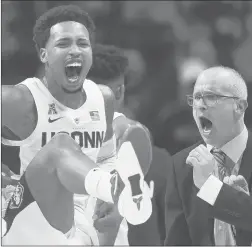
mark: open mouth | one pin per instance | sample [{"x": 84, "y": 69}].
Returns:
[
  {"x": 73, "y": 71},
  {"x": 206, "y": 125}
]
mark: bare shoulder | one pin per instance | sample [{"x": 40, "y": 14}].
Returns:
[
  {"x": 17, "y": 95},
  {"x": 109, "y": 102},
  {"x": 17, "y": 108},
  {"x": 107, "y": 93}
]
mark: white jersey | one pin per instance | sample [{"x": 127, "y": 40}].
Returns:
[{"x": 86, "y": 125}]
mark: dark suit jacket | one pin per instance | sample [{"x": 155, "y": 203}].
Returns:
[
  {"x": 152, "y": 232},
  {"x": 189, "y": 219}
]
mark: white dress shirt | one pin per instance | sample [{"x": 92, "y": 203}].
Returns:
[{"x": 234, "y": 150}]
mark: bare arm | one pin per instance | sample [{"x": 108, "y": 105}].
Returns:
[
  {"x": 109, "y": 101},
  {"x": 18, "y": 114}
]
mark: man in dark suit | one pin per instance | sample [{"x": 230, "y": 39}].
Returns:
[{"x": 205, "y": 205}]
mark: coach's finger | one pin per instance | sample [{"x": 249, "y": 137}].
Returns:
[
  {"x": 192, "y": 161},
  {"x": 226, "y": 180},
  {"x": 232, "y": 180},
  {"x": 241, "y": 181}
]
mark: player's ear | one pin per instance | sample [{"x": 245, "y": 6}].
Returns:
[
  {"x": 43, "y": 55},
  {"x": 120, "y": 92},
  {"x": 123, "y": 89}
]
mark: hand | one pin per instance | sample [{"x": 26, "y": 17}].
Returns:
[
  {"x": 202, "y": 162},
  {"x": 238, "y": 183},
  {"x": 106, "y": 217}
]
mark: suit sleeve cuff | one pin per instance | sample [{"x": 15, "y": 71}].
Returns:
[{"x": 210, "y": 190}]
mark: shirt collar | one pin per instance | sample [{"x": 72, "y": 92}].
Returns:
[{"x": 235, "y": 148}]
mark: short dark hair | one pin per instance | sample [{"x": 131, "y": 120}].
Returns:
[
  {"x": 41, "y": 30},
  {"x": 109, "y": 62}
]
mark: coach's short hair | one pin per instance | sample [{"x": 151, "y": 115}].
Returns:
[
  {"x": 237, "y": 84},
  {"x": 109, "y": 62},
  {"x": 41, "y": 30}
]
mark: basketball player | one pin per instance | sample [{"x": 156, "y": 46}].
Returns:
[
  {"x": 35, "y": 111},
  {"x": 109, "y": 68}
]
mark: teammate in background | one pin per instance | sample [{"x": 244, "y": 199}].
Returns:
[
  {"x": 109, "y": 68},
  {"x": 35, "y": 111}
]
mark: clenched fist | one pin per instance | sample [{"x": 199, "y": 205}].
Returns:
[
  {"x": 106, "y": 217},
  {"x": 202, "y": 162}
]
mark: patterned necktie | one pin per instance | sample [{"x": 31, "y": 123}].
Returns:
[
  {"x": 220, "y": 157},
  {"x": 223, "y": 236}
]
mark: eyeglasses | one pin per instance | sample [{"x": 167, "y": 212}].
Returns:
[{"x": 208, "y": 99}]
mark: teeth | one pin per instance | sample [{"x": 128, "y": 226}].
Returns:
[
  {"x": 74, "y": 65},
  {"x": 206, "y": 131},
  {"x": 73, "y": 79}
]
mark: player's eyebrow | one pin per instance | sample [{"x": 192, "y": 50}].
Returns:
[
  {"x": 68, "y": 39},
  {"x": 83, "y": 39},
  {"x": 62, "y": 39}
]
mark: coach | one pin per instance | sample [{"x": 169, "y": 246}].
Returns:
[{"x": 208, "y": 199}]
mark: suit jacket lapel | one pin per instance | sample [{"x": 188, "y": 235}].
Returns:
[{"x": 244, "y": 238}]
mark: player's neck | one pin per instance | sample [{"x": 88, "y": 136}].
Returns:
[{"x": 71, "y": 100}]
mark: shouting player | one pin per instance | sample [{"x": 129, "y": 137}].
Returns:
[{"x": 35, "y": 111}]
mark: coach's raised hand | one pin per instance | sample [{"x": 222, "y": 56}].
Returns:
[{"x": 202, "y": 162}]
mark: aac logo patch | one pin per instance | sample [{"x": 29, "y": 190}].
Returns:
[
  {"x": 52, "y": 109},
  {"x": 17, "y": 197}
]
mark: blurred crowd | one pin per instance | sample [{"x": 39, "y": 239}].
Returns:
[{"x": 168, "y": 44}]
